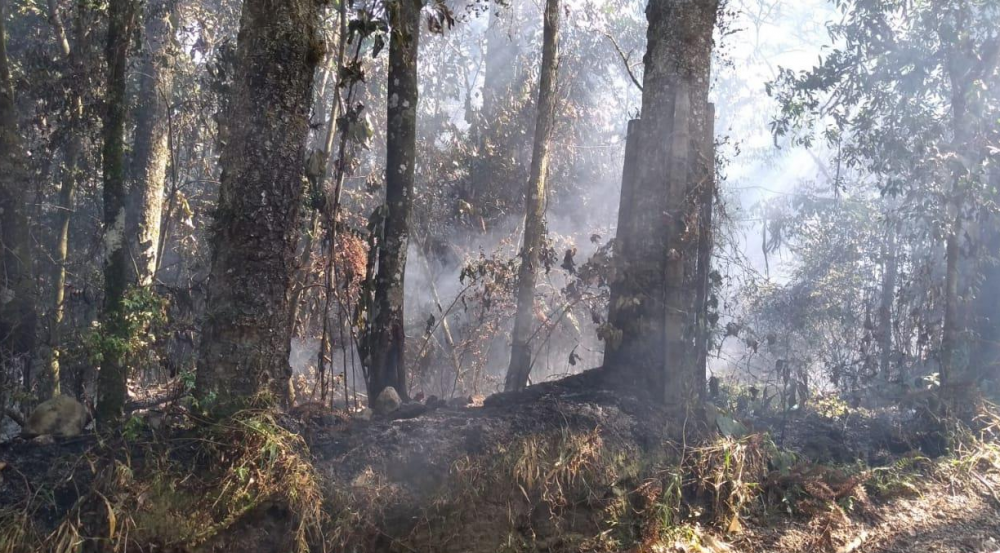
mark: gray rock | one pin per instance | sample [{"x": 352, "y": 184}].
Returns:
[
  {"x": 387, "y": 402},
  {"x": 44, "y": 439},
  {"x": 61, "y": 416}
]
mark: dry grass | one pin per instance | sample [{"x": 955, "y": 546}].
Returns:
[{"x": 184, "y": 492}]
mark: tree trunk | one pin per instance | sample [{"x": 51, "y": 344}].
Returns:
[
  {"x": 655, "y": 306},
  {"x": 705, "y": 192},
  {"x": 17, "y": 291},
  {"x": 534, "y": 200},
  {"x": 986, "y": 308},
  {"x": 111, "y": 382},
  {"x": 961, "y": 74},
  {"x": 49, "y": 356},
  {"x": 387, "y": 365},
  {"x": 951, "y": 334},
  {"x": 150, "y": 153},
  {"x": 889, "y": 275},
  {"x": 245, "y": 346}
]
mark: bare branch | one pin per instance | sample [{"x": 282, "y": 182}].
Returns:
[{"x": 625, "y": 58}]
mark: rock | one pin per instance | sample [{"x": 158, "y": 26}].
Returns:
[
  {"x": 60, "y": 416},
  {"x": 387, "y": 402},
  {"x": 44, "y": 439}
]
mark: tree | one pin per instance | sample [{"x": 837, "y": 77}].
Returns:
[
  {"x": 17, "y": 303},
  {"x": 385, "y": 342},
  {"x": 72, "y": 56},
  {"x": 534, "y": 203},
  {"x": 669, "y": 162},
  {"x": 904, "y": 97},
  {"x": 244, "y": 347},
  {"x": 150, "y": 154},
  {"x": 113, "y": 377}
]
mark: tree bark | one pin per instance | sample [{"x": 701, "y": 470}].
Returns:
[
  {"x": 245, "y": 347},
  {"x": 534, "y": 200},
  {"x": 386, "y": 351},
  {"x": 112, "y": 379},
  {"x": 655, "y": 307},
  {"x": 150, "y": 154},
  {"x": 17, "y": 290}
]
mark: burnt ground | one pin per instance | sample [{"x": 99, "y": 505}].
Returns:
[{"x": 567, "y": 466}]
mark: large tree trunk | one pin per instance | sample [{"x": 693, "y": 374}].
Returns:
[
  {"x": 111, "y": 383},
  {"x": 150, "y": 153},
  {"x": 245, "y": 347},
  {"x": 534, "y": 203},
  {"x": 655, "y": 305},
  {"x": 386, "y": 359},
  {"x": 17, "y": 291}
]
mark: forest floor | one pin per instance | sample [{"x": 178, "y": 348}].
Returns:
[
  {"x": 941, "y": 518},
  {"x": 562, "y": 467}
]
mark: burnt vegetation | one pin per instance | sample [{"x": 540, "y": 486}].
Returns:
[{"x": 472, "y": 276}]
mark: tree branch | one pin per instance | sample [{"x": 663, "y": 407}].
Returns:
[{"x": 624, "y": 59}]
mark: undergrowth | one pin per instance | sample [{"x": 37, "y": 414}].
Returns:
[
  {"x": 179, "y": 492},
  {"x": 561, "y": 490}
]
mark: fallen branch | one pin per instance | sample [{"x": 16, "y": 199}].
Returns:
[{"x": 989, "y": 487}]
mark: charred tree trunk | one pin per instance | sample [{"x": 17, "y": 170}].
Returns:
[
  {"x": 17, "y": 291},
  {"x": 150, "y": 154},
  {"x": 655, "y": 314},
  {"x": 111, "y": 382},
  {"x": 534, "y": 203},
  {"x": 387, "y": 365},
  {"x": 245, "y": 346}
]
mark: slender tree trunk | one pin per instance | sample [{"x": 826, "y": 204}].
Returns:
[
  {"x": 17, "y": 290},
  {"x": 333, "y": 204},
  {"x": 112, "y": 380},
  {"x": 889, "y": 275},
  {"x": 534, "y": 220},
  {"x": 953, "y": 371},
  {"x": 55, "y": 20},
  {"x": 705, "y": 192},
  {"x": 150, "y": 153},
  {"x": 951, "y": 336},
  {"x": 655, "y": 308},
  {"x": 387, "y": 365},
  {"x": 67, "y": 192},
  {"x": 245, "y": 346}
]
